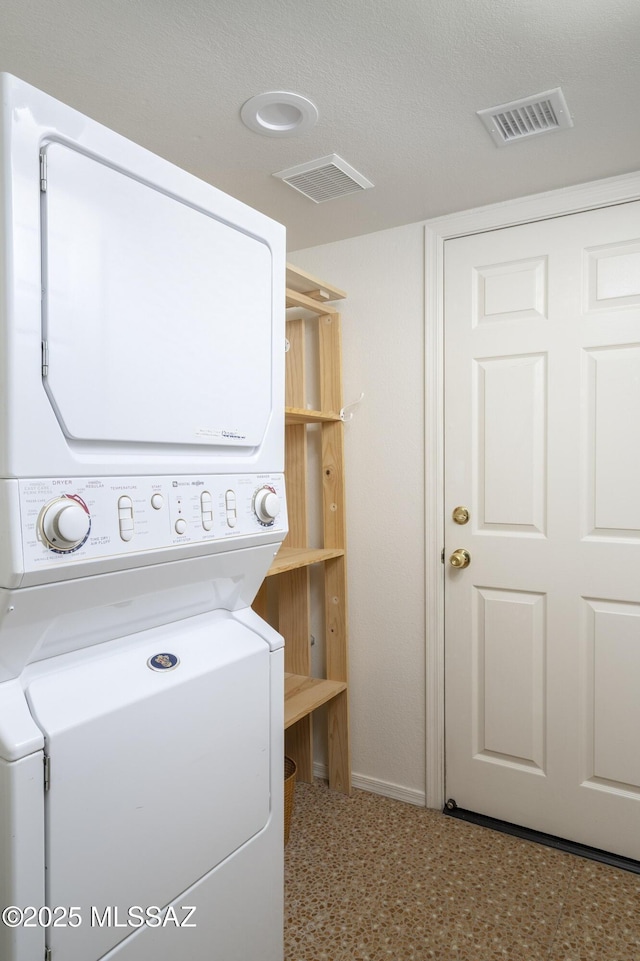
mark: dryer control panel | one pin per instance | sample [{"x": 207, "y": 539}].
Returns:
[{"x": 71, "y": 520}]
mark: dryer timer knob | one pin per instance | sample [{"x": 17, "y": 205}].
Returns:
[
  {"x": 65, "y": 524},
  {"x": 266, "y": 505}
]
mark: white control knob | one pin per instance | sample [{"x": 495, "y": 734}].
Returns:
[
  {"x": 266, "y": 504},
  {"x": 65, "y": 524}
]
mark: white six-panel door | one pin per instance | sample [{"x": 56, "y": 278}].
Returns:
[{"x": 542, "y": 445}]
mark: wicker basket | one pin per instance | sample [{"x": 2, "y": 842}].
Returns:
[{"x": 289, "y": 789}]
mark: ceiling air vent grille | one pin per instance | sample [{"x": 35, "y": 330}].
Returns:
[
  {"x": 324, "y": 179},
  {"x": 524, "y": 118}
]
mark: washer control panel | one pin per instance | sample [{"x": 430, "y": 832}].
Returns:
[{"x": 82, "y": 519}]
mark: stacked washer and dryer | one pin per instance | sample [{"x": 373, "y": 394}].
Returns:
[{"x": 142, "y": 502}]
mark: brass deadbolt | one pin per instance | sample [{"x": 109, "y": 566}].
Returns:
[{"x": 460, "y": 515}]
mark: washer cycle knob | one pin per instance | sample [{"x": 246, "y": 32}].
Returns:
[
  {"x": 65, "y": 524},
  {"x": 266, "y": 504}
]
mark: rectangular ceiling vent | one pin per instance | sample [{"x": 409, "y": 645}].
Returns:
[
  {"x": 541, "y": 113},
  {"x": 324, "y": 179}
]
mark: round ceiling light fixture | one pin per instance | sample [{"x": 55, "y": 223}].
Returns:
[{"x": 279, "y": 113}]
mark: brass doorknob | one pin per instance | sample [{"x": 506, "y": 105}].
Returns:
[{"x": 460, "y": 558}]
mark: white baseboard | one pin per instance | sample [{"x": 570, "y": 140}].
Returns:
[{"x": 374, "y": 786}]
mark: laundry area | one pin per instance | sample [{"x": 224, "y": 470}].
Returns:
[
  {"x": 319, "y": 358},
  {"x": 144, "y": 501}
]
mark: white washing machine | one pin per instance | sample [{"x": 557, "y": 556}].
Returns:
[{"x": 142, "y": 501}]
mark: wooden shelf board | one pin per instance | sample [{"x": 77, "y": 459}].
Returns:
[
  {"x": 304, "y": 283},
  {"x": 291, "y": 558},
  {"x": 297, "y": 415},
  {"x": 321, "y": 308},
  {"x": 304, "y": 694}
]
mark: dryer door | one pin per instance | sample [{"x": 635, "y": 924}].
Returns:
[
  {"x": 157, "y": 316},
  {"x": 156, "y": 775}
]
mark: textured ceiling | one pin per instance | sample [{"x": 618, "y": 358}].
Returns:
[{"x": 396, "y": 82}]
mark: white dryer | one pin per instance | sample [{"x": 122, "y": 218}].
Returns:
[{"x": 142, "y": 499}]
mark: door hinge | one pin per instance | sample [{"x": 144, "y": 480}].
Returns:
[
  {"x": 47, "y": 954},
  {"x": 43, "y": 172},
  {"x": 45, "y": 358},
  {"x": 47, "y": 772}
]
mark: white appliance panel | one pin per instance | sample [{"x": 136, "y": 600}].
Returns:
[
  {"x": 132, "y": 521},
  {"x": 222, "y": 918},
  {"x": 230, "y": 927},
  {"x": 39, "y": 623},
  {"x": 159, "y": 345},
  {"x": 21, "y": 849},
  {"x": 156, "y": 776},
  {"x": 153, "y": 333}
]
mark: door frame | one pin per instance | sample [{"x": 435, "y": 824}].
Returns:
[{"x": 543, "y": 206}]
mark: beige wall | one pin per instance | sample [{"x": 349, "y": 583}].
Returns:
[{"x": 383, "y": 338}]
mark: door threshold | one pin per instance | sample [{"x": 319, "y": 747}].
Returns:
[{"x": 549, "y": 840}]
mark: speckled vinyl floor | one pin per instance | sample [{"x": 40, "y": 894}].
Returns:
[{"x": 371, "y": 879}]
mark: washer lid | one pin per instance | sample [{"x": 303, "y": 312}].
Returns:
[{"x": 156, "y": 316}]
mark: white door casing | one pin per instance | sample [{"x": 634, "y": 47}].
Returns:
[{"x": 539, "y": 207}]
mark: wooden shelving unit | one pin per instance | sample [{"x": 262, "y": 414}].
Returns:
[{"x": 285, "y": 596}]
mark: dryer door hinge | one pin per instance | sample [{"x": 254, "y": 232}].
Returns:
[
  {"x": 43, "y": 172},
  {"x": 45, "y": 358},
  {"x": 47, "y": 772}
]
